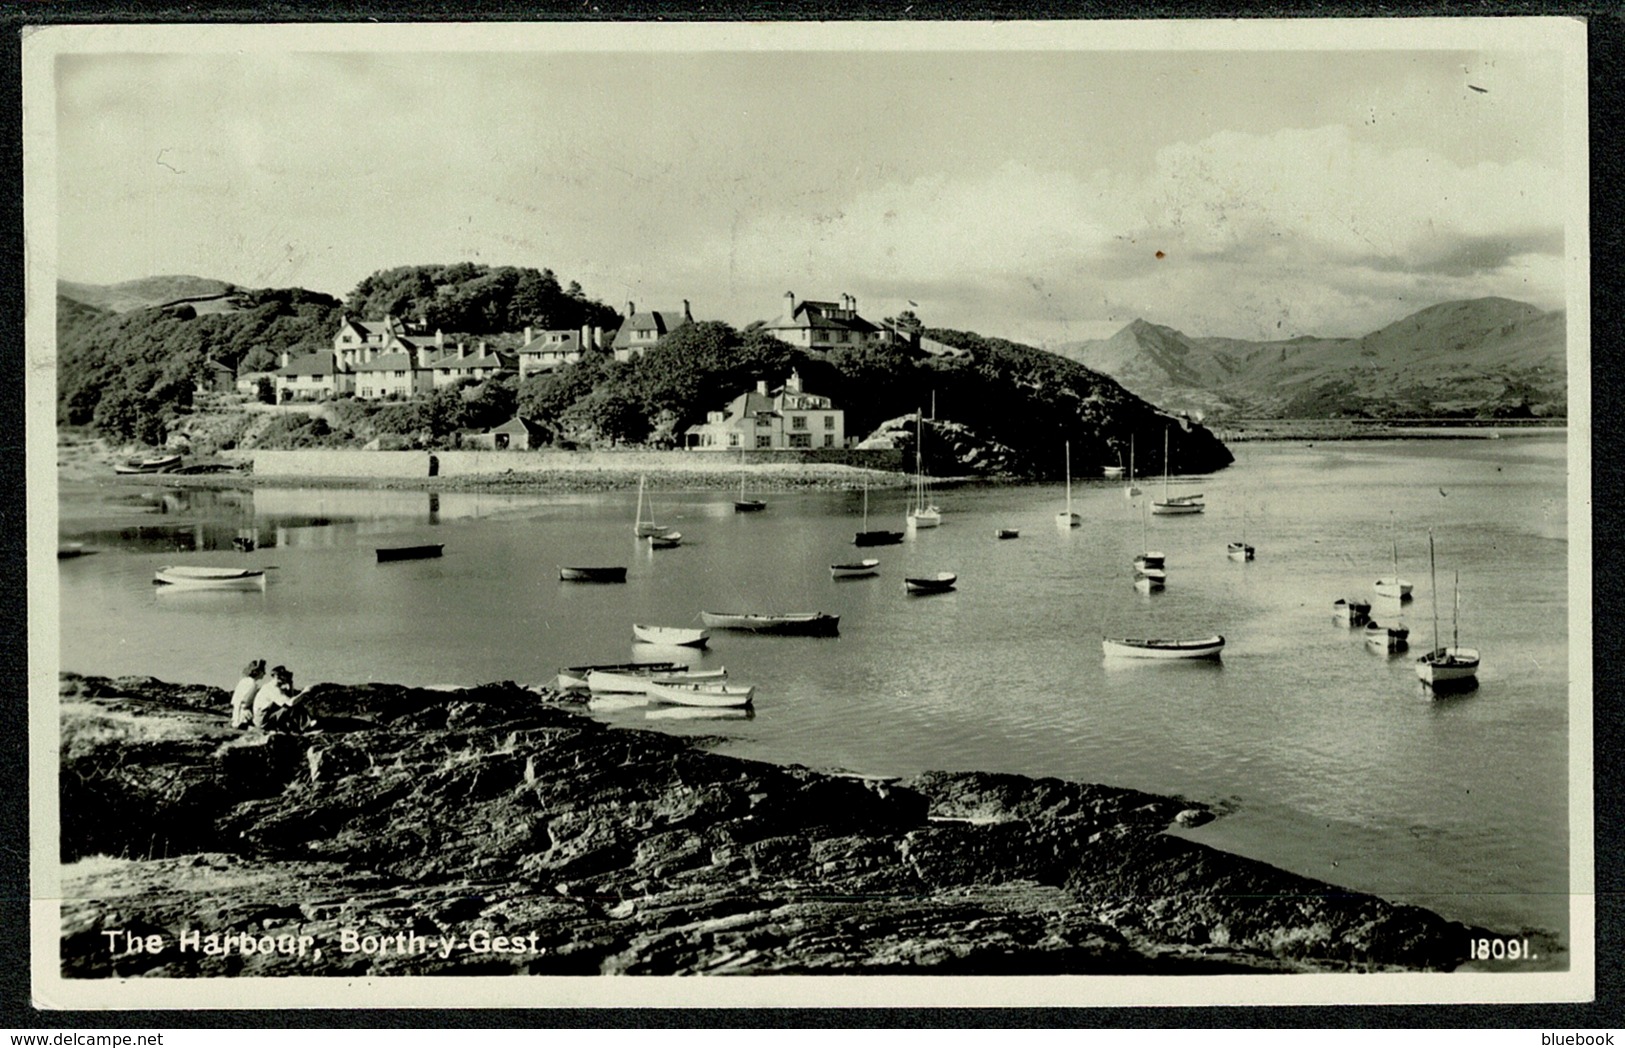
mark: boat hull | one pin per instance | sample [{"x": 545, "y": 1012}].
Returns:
[
  {"x": 1111, "y": 472},
  {"x": 386, "y": 555},
  {"x": 152, "y": 465},
  {"x": 1351, "y": 612},
  {"x": 209, "y": 578},
  {"x": 1240, "y": 551},
  {"x": 619, "y": 682},
  {"x": 670, "y": 636},
  {"x": 666, "y": 540},
  {"x": 749, "y": 506},
  {"x": 941, "y": 583},
  {"x": 591, "y": 574},
  {"x": 857, "y": 570},
  {"x": 877, "y": 538},
  {"x": 1393, "y": 588},
  {"x": 574, "y": 678},
  {"x": 1068, "y": 520},
  {"x": 1381, "y": 638},
  {"x": 930, "y": 517},
  {"x": 1007, "y": 533},
  {"x": 711, "y": 696},
  {"x": 1150, "y": 561},
  {"x": 1447, "y": 665},
  {"x": 810, "y": 624},
  {"x": 1137, "y": 648},
  {"x": 1174, "y": 508}
]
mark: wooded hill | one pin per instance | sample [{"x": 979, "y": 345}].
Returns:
[{"x": 1013, "y": 407}]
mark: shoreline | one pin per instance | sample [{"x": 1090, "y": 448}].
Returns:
[{"x": 502, "y": 810}]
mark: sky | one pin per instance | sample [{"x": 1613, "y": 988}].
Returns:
[{"x": 1042, "y": 191}]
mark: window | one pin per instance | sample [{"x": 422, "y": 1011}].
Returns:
[
  {"x": 733, "y": 440},
  {"x": 829, "y": 440},
  {"x": 763, "y": 421},
  {"x": 798, "y": 422},
  {"x": 800, "y": 440},
  {"x": 829, "y": 421},
  {"x": 763, "y": 440}
]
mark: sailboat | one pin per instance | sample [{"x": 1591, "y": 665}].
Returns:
[
  {"x": 1393, "y": 586},
  {"x": 1455, "y": 664},
  {"x": 925, "y": 514},
  {"x": 874, "y": 538},
  {"x": 1176, "y": 504},
  {"x": 1129, "y": 489},
  {"x": 1241, "y": 551},
  {"x": 1149, "y": 572},
  {"x": 645, "y": 528},
  {"x": 743, "y": 504},
  {"x": 1067, "y": 518}
]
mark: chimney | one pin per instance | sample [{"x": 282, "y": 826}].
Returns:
[
  {"x": 440, "y": 338},
  {"x": 852, "y": 304},
  {"x": 789, "y": 305},
  {"x": 597, "y": 337},
  {"x": 686, "y": 314},
  {"x": 423, "y": 357},
  {"x": 586, "y": 333},
  {"x": 794, "y": 385},
  {"x": 529, "y": 335},
  {"x": 462, "y": 351},
  {"x": 761, "y": 386},
  {"x": 286, "y": 356}
]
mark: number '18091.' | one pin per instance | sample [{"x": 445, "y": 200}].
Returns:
[{"x": 1499, "y": 950}]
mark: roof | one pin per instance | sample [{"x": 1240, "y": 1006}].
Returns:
[
  {"x": 218, "y": 366},
  {"x": 662, "y": 322},
  {"x": 310, "y": 364},
  {"x": 387, "y": 362},
  {"x": 824, "y": 315},
  {"x": 520, "y": 425},
  {"x": 450, "y": 360},
  {"x": 570, "y": 343}
]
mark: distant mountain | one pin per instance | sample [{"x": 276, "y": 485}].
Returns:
[
  {"x": 143, "y": 293},
  {"x": 1486, "y": 357}
]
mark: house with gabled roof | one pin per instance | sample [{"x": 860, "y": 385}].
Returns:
[
  {"x": 786, "y": 418},
  {"x": 545, "y": 350},
  {"x": 313, "y": 376},
  {"x": 467, "y": 361},
  {"x": 640, "y": 331},
  {"x": 818, "y": 325},
  {"x": 516, "y": 434}
]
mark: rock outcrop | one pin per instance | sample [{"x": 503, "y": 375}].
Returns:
[{"x": 495, "y": 830}]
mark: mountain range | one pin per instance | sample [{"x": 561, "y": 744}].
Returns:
[{"x": 1483, "y": 358}]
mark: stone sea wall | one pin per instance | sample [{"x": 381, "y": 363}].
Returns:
[{"x": 419, "y": 828}]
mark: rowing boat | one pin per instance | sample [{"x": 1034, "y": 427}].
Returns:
[
  {"x": 803, "y": 623},
  {"x": 1157, "y": 648}
]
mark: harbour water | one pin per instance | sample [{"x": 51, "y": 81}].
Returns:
[{"x": 1329, "y": 759}]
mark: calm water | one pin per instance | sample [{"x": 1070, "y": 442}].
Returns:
[{"x": 1331, "y": 760}]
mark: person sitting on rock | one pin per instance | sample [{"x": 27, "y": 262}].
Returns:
[
  {"x": 276, "y": 704},
  {"x": 242, "y": 700}
]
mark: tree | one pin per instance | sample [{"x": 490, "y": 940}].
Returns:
[
  {"x": 265, "y": 390},
  {"x": 607, "y": 415}
]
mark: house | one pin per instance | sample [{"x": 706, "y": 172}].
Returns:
[
  {"x": 465, "y": 362},
  {"x": 640, "y": 331},
  {"x": 355, "y": 336},
  {"x": 215, "y": 377},
  {"x": 314, "y": 376},
  {"x": 790, "y": 418},
  {"x": 823, "y": 325},
  {"x": 516, "y": 434},
  {"x": 545, "y": 350}
]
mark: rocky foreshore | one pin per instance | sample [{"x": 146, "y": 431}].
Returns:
[{"x": 496, "y": 830}]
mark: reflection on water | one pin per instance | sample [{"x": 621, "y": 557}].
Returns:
[{"x": 1327, "y": 751}]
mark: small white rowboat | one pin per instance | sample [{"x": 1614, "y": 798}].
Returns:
[
  {"x": 1152, "y": 648},
  {"x": 612, "y": 682},
  {"x": 701, "y": 694},
  {"x": 210, "y": 578},
  {"x": 854, "y": 570},
  {"x": 670, "y": 636}
]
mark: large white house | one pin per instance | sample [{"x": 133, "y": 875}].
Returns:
[
  {"x": 823, "y": 325},
  {"x": 788, "y": 418}
]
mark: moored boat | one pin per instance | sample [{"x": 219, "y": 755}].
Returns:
[
  {"x": 1392, "y": 586},
  {"x": 743, "y": 504},
  {"x": 1386, "y": 638},
  {"x": 670, "y": 636},
  {"x": 1148, "y": 579},
  {"x": 1067, "y": 518},
  {"x": 588, "y": 574},
  {"x": 386, "y": 554},
  {"x": 574, "y": 678},
  {"x": 878, "y": 537},
  {"x": 941, "y": 582},
  {"x": 1157, "y": 648},
  {"x": 855, "y": 569},
  {"x": 156, "y": 464},
  {"x": 1453, "y": 665},
  {"x": 679, "y": 693},
  {"x": 183, "y": 577},
  {"x": 1173, "y": 505},
  {"x": 636, "y": 682},
  {"x": 924, "y": 513},
  {"x": 69, "y": 550},
  {"x": 801, "y": 623},
  {"x": 666, "y": 540},
  {"x": 1111, "y": 472},
  {"x": 644, "y": 528},
  {"x": 1240, "y": 551},
  {"x": 1351, "y": 612},
  {"x": 1007, "y": 533}
]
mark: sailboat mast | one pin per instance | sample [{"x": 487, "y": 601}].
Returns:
[
  {"x": 1165, "y": 465},
  {"x": 1455, "y": 615},
  {"x": 1433, "y": 581},
  {"x": 1069, "y": 478}
]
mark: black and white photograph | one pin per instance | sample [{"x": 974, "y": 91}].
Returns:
[{"x": 1009, "y": 513}]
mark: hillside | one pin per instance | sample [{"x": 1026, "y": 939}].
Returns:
[
  {"x": 1489, "y": 357},
  {"x": 142, "y": 293}
]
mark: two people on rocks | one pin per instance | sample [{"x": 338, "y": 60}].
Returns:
[{"x": 269, "y": 701}]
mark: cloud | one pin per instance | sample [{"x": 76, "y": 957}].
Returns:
[{"x": 1315, "y": 228}]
